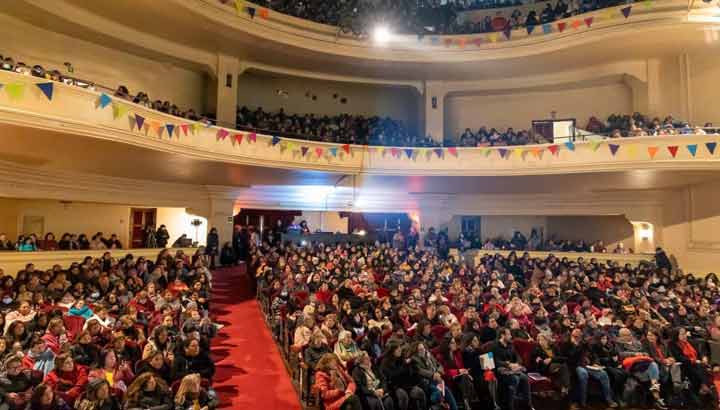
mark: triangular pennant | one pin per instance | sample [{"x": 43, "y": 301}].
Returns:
[
  {"x": 530, "y": 29},
  {"x": 170, "y": 129},
  {"x": 570, "y": 146},
  {"x": 434, "y": 40},
  {"x": 626, "y": 11},
  {"x": 409, "y": 152},
  {"x": 631, "y": 151},
  {"x": 547, "y": 28},
  {"x": 588, "y": 21},
  {"x": 692, "y": 149},
  {"x": 711, "y": 147},
  {"x": 1, "y": 86},
  {"x": 594, "y": 145},
  {"x": 648, "y": 3},
  {"x": 319, "y": 152},
  {"x": 673, "y": 150},
  {"x": 453, "y": 151},
  {"x": 448, "y": 42},
  {"x": 346, "y": 148},
  {"x": 221, "y": 134},
  {"x": 104, "y": 100},
  {"x": 146, "y": 128},
  {"x": 195, "y": 128},
  {"x": 394, "y": 152},
  {"x": 139, "y": 120},
  {"x": 487, "y": 152},
  {"x": 536, "y": 152},
  {"x": 292, "y": 146},
  {"x": 553, "y": 149},
  {"x": 502, "y": 152},
  {"x": 275, "y": 140},
  {"x": 304, "y": 150},
  {"x": 15, "y": 90},
  {"x": 159, "y": 131},
  {"x": 238, "y": 138},
  {"x": 47, "y": 89},
  {"x": 461, "y": 42},
  {"x": 493, "y": 37},
  {"x": 119, "y": 110},
  {"x": 561, "y": 26},
  {"x": 428, "y": 153},
  {"x": 251, "y": 12},
  {"x": 252, "y": 137},
  {"x": 576, "y": 24},
  {"x": 156, "y": 128},
  {"x": 264, "y": 13},
  {"x": 608, "y": 14},
  {"x": 613, "y": 148},
  {"x": 652, "y": 151},
  {"x": 333, "y": 151},
  {"x": 239, "y": 6},
  {"x": 478, "y": 41},
  {"x": 438, "y": 152},
  {"x": 184, "y": 128},
  {"x": 283, "y": 147},
  {"x": 507, "y": 31},
  {"x": 520, "y": 153}
]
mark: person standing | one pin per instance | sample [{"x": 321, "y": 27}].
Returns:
[{"x": 212, "y": 246}]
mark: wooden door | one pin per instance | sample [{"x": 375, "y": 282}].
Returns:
[{"x": 140, "y": 218}]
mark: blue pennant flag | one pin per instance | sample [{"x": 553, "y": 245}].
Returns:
[
  {"x": 104, "y": 100},
  {"x": 333, "y": 151},
  {"x": 570, "y": 145},
  {"x": 409, "y": 152},
  {"x": 251, "y": 12},
  {"x": 170, "y": 128},
  {"x": 547, "y": 28},
  {"x": 711, "y": 147},
  {"x": 47, "y": 89},
  {"x": 275, "y": 140},
  {"x": 530, "y": 29},
  {"x": 692, "y": 149}
]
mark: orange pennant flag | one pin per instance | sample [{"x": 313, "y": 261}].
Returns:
[{"x": 652, "y": 151}]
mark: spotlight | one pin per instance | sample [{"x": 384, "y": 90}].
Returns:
[{"x": 381, "y": 34}]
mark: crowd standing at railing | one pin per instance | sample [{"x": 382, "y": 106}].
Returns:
[
  {"x": 108, "y": 333},
  {"x": 367, "y": 324}
]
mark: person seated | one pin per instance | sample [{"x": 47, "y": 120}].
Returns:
[
  {"x": 97, "y": 397},
  {"x": 371, "y": 389},
  {"x": 16, "y": 383},
  {"x": 400, "y": 379},
  {"x": 345, "y": 348},
  {"x": 192, "y": 360},
  {"x": 637, "y": 362},
  {"x": 544, "y": 359},
  {"x": 55, "y": 336},
  {"x": 5, "y": 243},
  {"x": 148, "y": 391},
  {"x": 68, "y": 379},
  {"x": 24, "y": 313},
  {"x": 39, "y": 357},
  {"x": 430, "y": 372},
  {"x": 157, "y": 363},
  {"x": 49, "y": 243},
  {"x": 693, "y": 364},
  {"x": 335, "y": 386},
  {"x": 44, "y": 398},
  {"x": 118, "y": 374},
  {"x": 511, "y": 374}
]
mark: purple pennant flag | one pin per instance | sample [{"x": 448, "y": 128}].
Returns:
[
  {"x": 170, "y": 128},
  {"x": 438, "y": 152},
  {"x": 275, "y": 140},
  {"x": 626, "y": 11},
  {"x": 409, "y": 152},
  {"x": 613, "y": 148},
  {"x": 139, "y": 120},
  {"x": 304, "y": 150},
  {"x": 251, "y": 12},
  {"x": 711, "y": 147},
  {"x": 502, "y": 152}
]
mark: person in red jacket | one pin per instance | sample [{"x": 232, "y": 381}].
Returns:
[
  {"x": 54, "y": 337},
  {"x": 336, "y": 387},
  {"x": 68, "y": 380}
]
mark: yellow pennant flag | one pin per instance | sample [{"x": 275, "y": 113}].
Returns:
[
  {"x": 648, "y": 3},
  {"x": 493, "y": 37},
  {"x": 519, "y": 152},
  {"x": 595, "y": 145},
  {"x": 239, "y": 6},
  {"x": 631, "y": 150},
  {"x": 196, "y": 127},
  {"x": 119, "y": 110},
  {"x": 609, "y": 14},
  {"x": 15, "y": 91},
  {"x": 381, "y": 151}
]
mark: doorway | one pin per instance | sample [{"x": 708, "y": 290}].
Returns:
[{"x": 141, "y": 218}]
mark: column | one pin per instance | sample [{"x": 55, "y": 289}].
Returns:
[
  {"x": 226, "y": 90},
  {"x": 434, "y": 94},
  {"x": 220, "y": 217}
]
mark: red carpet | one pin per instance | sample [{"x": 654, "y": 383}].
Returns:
[{"x": 250, "y": 371}]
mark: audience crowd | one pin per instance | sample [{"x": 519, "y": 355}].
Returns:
[
  {"x": 108, "y": 334},
  {"x": 381, "y": 327},
  {"x": 639, "y": 125}
]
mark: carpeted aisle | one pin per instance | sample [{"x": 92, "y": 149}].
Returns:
[{"x": 250, "y": 372}]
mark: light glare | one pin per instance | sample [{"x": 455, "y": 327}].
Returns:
[{"x": 382, "y": 34}]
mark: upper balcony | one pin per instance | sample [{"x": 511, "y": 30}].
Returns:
[{"x": 77, "y": 127}]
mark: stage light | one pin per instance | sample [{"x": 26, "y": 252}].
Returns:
[
  {"x": 382, "y": 34},
  {"x": 362, "y": 232}
]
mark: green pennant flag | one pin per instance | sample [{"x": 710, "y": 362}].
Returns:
[
  {"x": 119, "y": 110},
  {"x": 595, "y": 145},
  {"x": 15, "y": 91}
]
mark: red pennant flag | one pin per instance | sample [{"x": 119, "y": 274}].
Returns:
[
  {"x": 395, "y": 152},
  {"x": 652, "y": 151},
  {"x": 561, "y": 26},
  {"x": 264, "y": 13},
  {"x": 222, "y": 133},
  {"x": 673, "y": 150},
  {"x": 238, "y": 138},
  {"x": 319, "y": 152},
  {"x": 453, "y": 151},
  {"x": 589, "y": 21},
  {"x": 478, "y": 41},
  {"x": 553, "y": 149},
  {"x": 346, "y": 148},
  {"x": 184, "y": 128},
  {"x": 252, "y": 137}
]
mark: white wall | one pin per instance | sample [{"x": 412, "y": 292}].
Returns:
[
  {"x": 259, "y": 90},
  {"x": 520, "y": 109},
  {"x": 704, "y": 74},
  {"x": 109, "y": 67},
  {"x": 611, "y": 229}
]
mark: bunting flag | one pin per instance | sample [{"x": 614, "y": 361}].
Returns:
[
  {"x": 428, "y": 153},
  {"x": 184, "y": 128},
  {"x": 613, "y": 148},
  {"x": 448, "y": 42},
  {"x": 15, "y": 90},
  {"x": 275, "y": 140},
  {"x": 47, "y": 89},
  {"x": 318, "y": 152},
  {"x": 395, "y": 152},
  {"x": 264, "y": 13},
  {"x": 461, "y": 42},
  {"x": 561, "y": 26},
  {"x": 570, "y": 146},
  {"x": 520, "y": 153},
  {"x": 119, "y": 110},
  {"x": 576, "y": 24},
  {"x": 381, "y": 151},
  {"x": 237, "y": 138},
  {"x": 438, "y": 152},
  {"x": 170, "y": 129},
  {"x": 333, "y": 151},
  {"x": 453, "y": 151},
  {"x": 589, "y": 21},
  {"x": 157, "y": 128},
  {"x": 553, "y": 149},
  {"x": 195, "y": 128},
  {"x": 507, "y": 31},
  {"x": 346, "y": 148},
  {"x": 251, "y": 12},
  {"x": 478, "y": 41},
  {"x": 146, "y": 128},
  {"x": 434, "y": 40},
  {"x": 530, "y": 29},
  {"x": 652, "y": 151},
  {"x": 292, "y": 146},
  {"x": 608, "y": 14},
  {"x": 139, "y": 120},
  {"x": 648, "y": 3},
  {"x": 631, "y": 151},
  {"x": 711, "y": 147},
  {"x": 409, "y": 152},
  {"x": 595, "y": 145},
  {"x": 304, "y": 150},
  {"x": 252, "y": 137},
  {"x": 487, "y": 152},
  {"x": 537, "y": 152},
  {"x": 673, "y": 150},
  {"x": 547, "y": 28},
  {"x": 493, "y": 37},
  {"x": 221, "y": 134},
  {"x": 692, "y": 149},
  {"x": 239, "y": 6},
  {"x": 626, "y": 11},
  {"x": 502, "y": 152}
]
